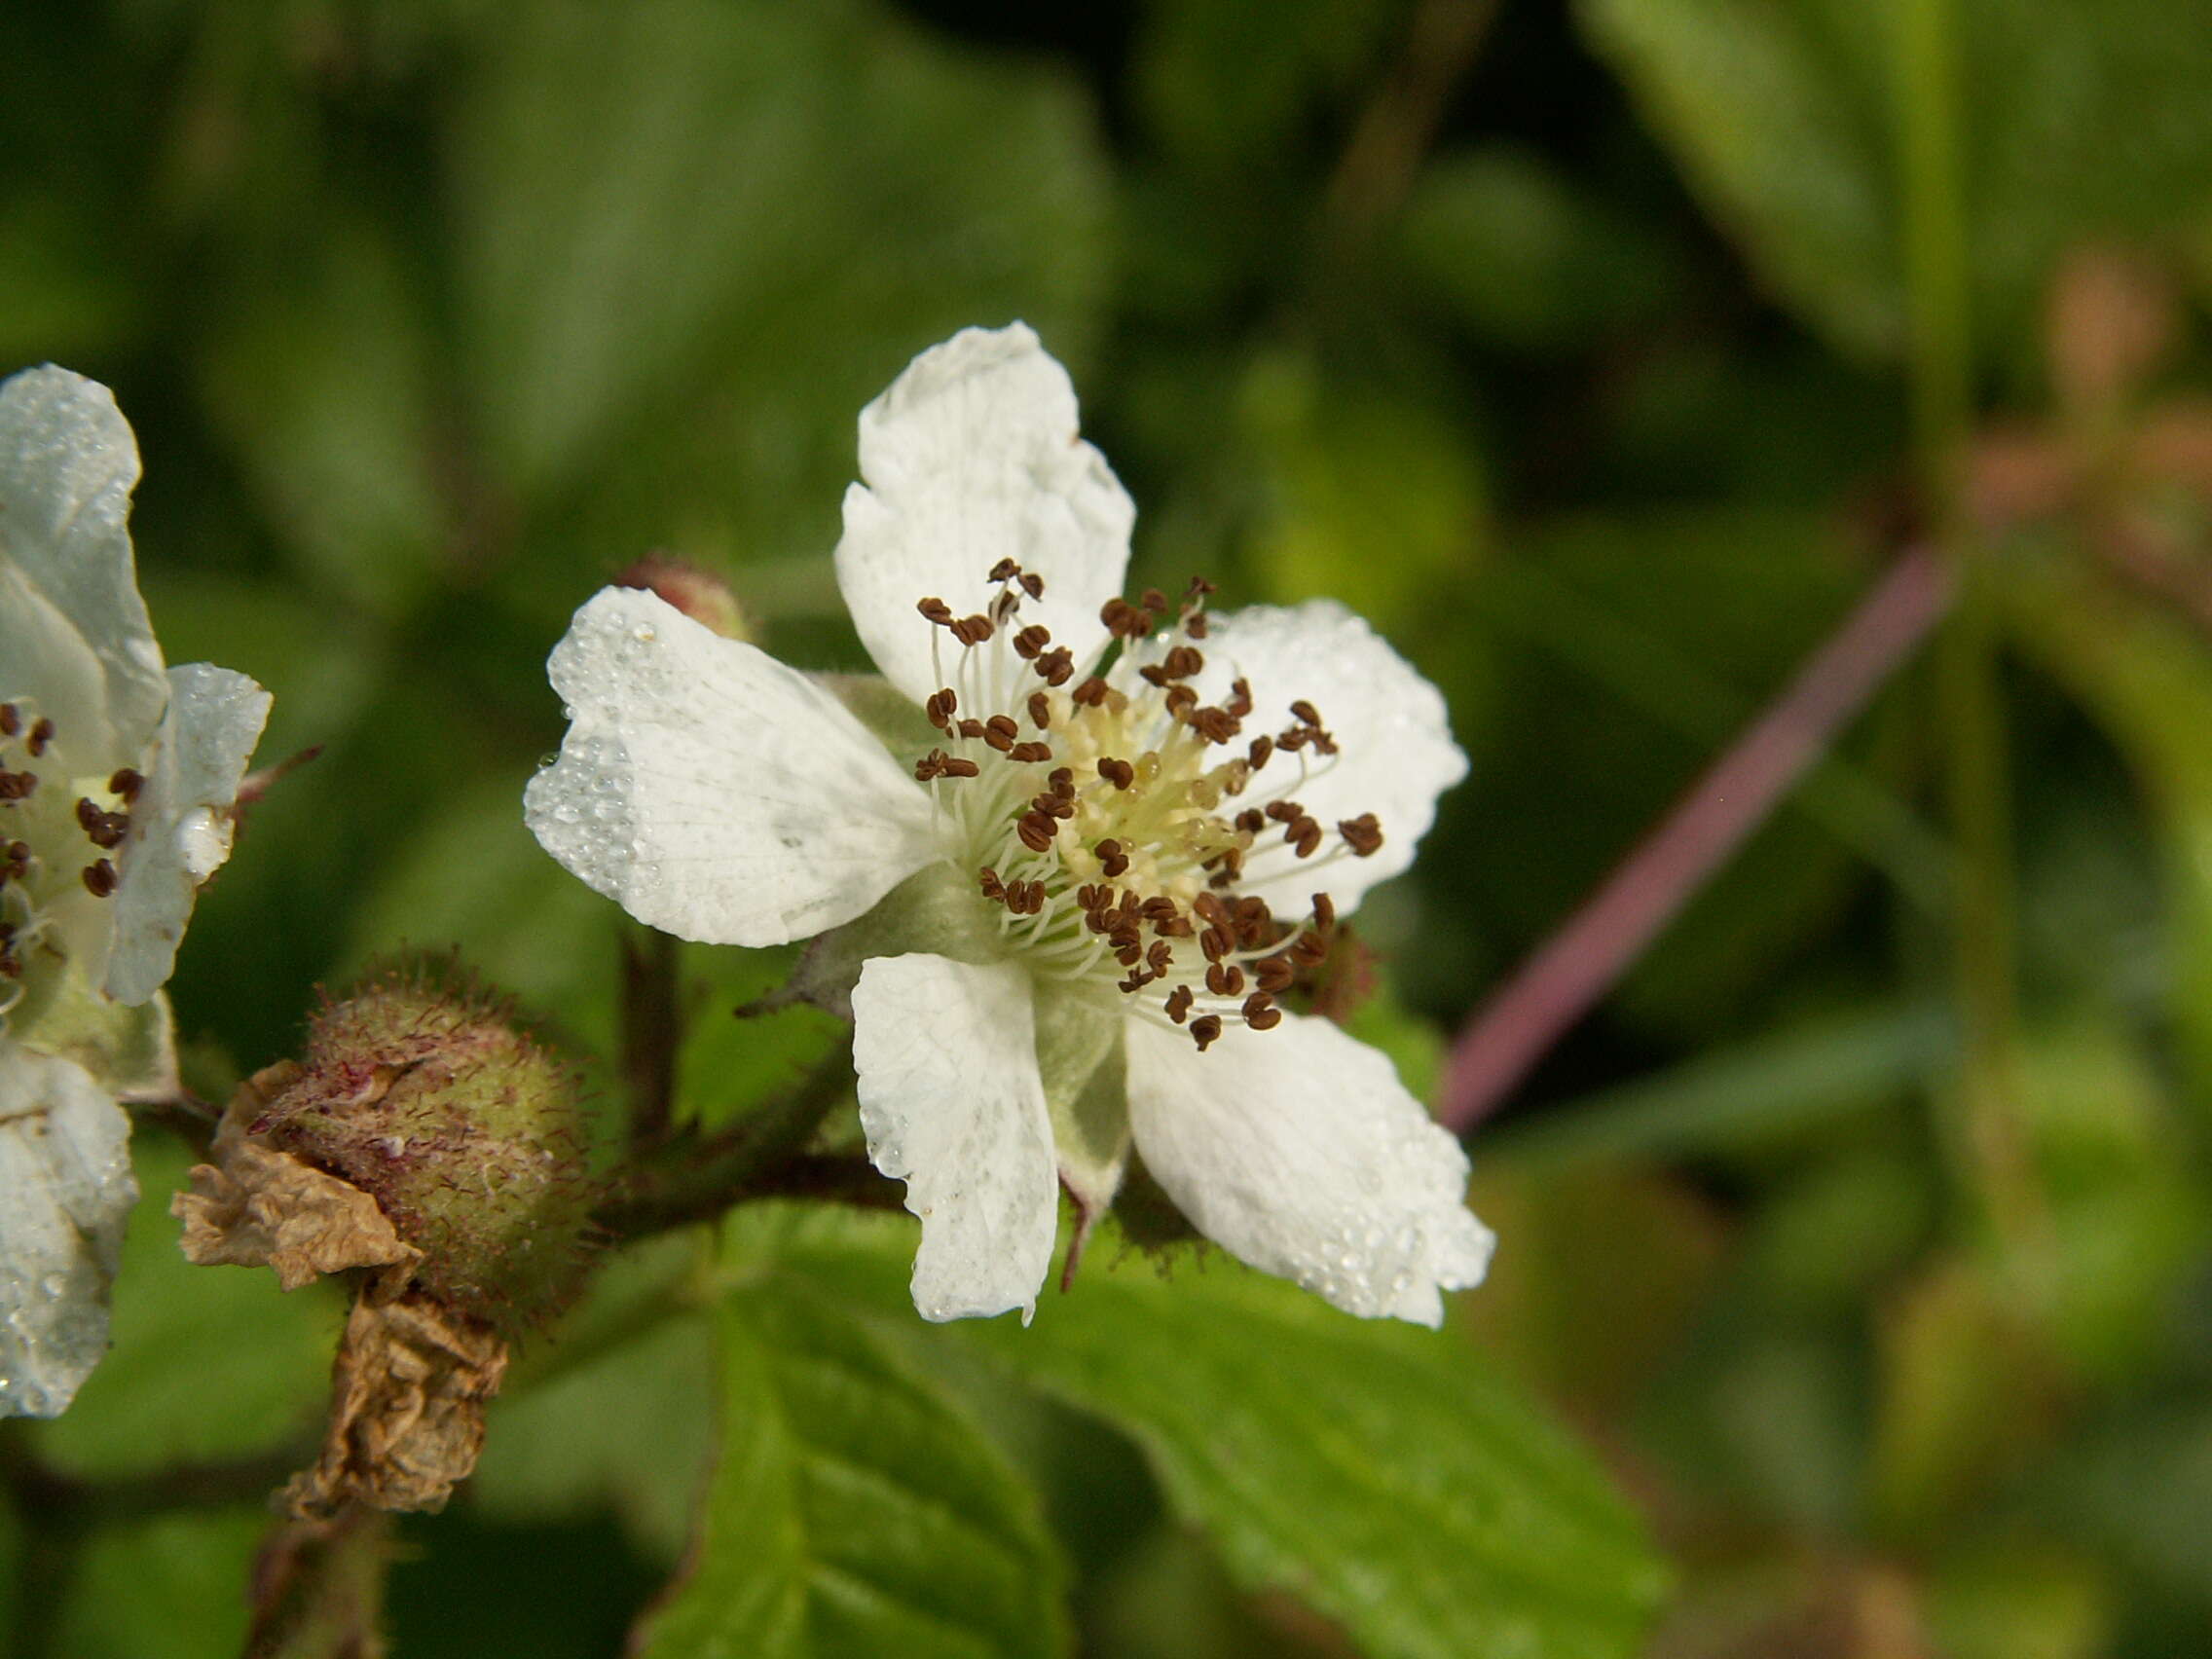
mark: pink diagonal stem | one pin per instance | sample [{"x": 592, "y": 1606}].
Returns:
[{"x": 1578, "y": 964}]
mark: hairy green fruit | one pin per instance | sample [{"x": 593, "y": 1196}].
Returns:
[{"x": 469, "y": 1135}]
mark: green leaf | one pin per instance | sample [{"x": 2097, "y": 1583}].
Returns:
[
  {"x": 684, "y": 262},
  {"x": 854, "y": 1510},
  {"x": 172, "y": 1584},
  {"x": 2075, "y": 122},
  {"x": 208, "y": 1363},
  {"x": 1378, "y": 1472}
]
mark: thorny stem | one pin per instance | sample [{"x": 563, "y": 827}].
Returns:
[
  {"x": 1505, "y": 1038},
  {"x": 653, "y": 1033},
  {"x": 692, "y": 1177}
]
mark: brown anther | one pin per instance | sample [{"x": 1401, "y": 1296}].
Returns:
[
  {"x": 1056, "y": 667},
  {"x": 1000, "y": 741},
  {"x": 1215, "y": 726},
  {"x": 1306, "y": 711},
  {"x": 1159, "y": 957},
  {"x": 1091, "y": 693},
  {"x": 1001, "y": 727},
  {"x": 988, "y": 879},
  {"x": 1153, "y": 673},
  {"x": 102, "y": 828},
  {"x": 1031, "y": 641},
  {"x": 1251, "y": 821},
  {"x": 1324, "y": 913},
  {"x": 1216, "y": 942},
  {"x": 1195, "y": 624},
  {"x": 930, "y": 765},
  {"x": 1008, "y": 601},
  {"x": 1098, "y": 921},
  {"x": 16, "y": 863},
  {"x": 1199, "y": 589},
  {"x": 1136, "y": 982},
  {"x": 1111, "y": 857},
  {"x": 1180, "y": 699},
  {"x": 1030, "y": 754},
  {"x": 1204, "y": 1030},
  {"x": 1153, "y": 600},
  {"x": 10, "y": 720},
  {"x": 1120, "y": 773},
  {"x": 1266, "y": 1017},
  {"x": 1179, "y": 1001},
  {"x": 1174, "y": 927},
  {"x": 958, "y": 768},
  {"x": 1159, "y": 908},
  {"x": 1037, "y": 830},
  {"x": 42, "y": 734},
  {"x": 936, "y": 610},
  {"x": 1050, "y": 803},
  {"x": 1062, "y": 780},
  {"x": 1091, "y": 895},
  {"x": 1004, "y": 570},
  {"x": 1262, "y": 746},
  {"x": 99, "y": 878},
  {"x": 1307, "y": 950},
  {"x": 1274, "y": 972},
  {"x": 1305, "y": 838},
  {"x": 1181, "y": 662},
  {"x": 1208, "y": 908},
  {"x": 1225, "y": 979},
  {"x": 1033, "y": 584},
  {"x": 938, "y": 706},
  {"x": 973, "y": 630},
  {"x": 1240, "y": 701},
  {"x": 1284, "y": 811},
  {"x": 1040, "y": 710},
  {"x": 1130, "y": 956},
  {"x": 1228, "y": 866},
  {"x": 1294, "y": 739},
  {"x": 971, "y": 727},
  {"x": 17, "y": 786},
  {"x": 1253, "y": 919},
  {"x": 1362, "y": 835}
]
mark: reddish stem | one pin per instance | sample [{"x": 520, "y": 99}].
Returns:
[{"x": 1554, "y": 988}]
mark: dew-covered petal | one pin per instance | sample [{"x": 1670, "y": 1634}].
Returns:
[
  {"x": 66, "y": 1192},
  {"x": 1300, "y": 1152},
  {"x": 972, "y": 457},
  {"x": 180, "y": 827},
  {"x": 74, "y": 634},
  {"x": 1395, "y": 754},
  {"x": 711, "y": 791},
  {"x": 953, "y": 1105}
]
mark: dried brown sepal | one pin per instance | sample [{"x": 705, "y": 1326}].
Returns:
[
  {"x": 258, "y": 1206},
  {"x": 406, "y": 1407}
]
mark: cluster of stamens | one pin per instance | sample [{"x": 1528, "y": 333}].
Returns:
[
  {"x": 1095, "y": 805},
  {"x": 35, "y": 835}
]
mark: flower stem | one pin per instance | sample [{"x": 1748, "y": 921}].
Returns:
[{"x": 1986, "y": 1137}]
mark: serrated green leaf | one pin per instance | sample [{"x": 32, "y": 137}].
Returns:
[
  {"x": 854, "y": 1511},
  {"x": 1380, "y": 1473}
]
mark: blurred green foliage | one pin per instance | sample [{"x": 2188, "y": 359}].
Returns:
[{"x": 1570, "y": 343}]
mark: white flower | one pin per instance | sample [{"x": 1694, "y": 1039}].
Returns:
[
  {"x": 116, "y": 786},
  {"x": 1133, "y": 825}
]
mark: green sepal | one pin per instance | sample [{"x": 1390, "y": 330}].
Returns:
[
  {"x": 936, "y": 911},
  {"x": 130, "y": 1051},
  {"x": 1079, "y": 1054}
]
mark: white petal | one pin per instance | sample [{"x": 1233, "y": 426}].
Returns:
[
  {"x": 711, "y": 791},
  {"x": 1299, "y": 1150},
  {"x": 66, "y": 1192},
  {"x": 73, "y": 630},
  {"x": 952, "y": 1105},
  {"x": 1395, "y": 754},
  {"x": 180, "y": 828},
  {"x": 971, "y": 457}
]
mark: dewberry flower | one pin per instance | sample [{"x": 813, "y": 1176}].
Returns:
[
  {"x": 1068, "y": 861},
  {"x": 117, "y": 780}
]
